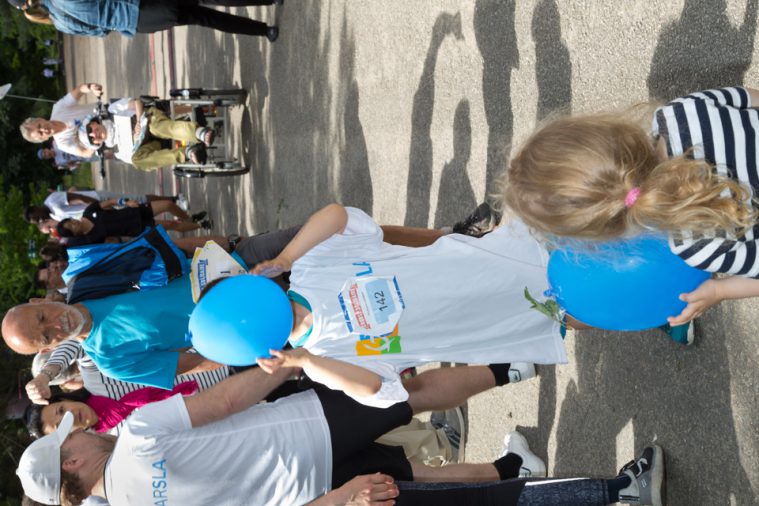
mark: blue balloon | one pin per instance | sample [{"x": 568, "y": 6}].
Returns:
[
  {"x": 240, "y": 320},
  {"x": 630, "y": 284}
]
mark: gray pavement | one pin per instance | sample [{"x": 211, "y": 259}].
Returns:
[{"x": 407, "y": 110}]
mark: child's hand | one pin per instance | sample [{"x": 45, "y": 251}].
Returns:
[
  {"x": 699, "y": 300},
  {"x": 272, "y": 268},
  {"x": 284, "y": 358},
  {"x": 132, "y": 203}
]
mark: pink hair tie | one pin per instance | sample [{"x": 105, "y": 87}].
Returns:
[{"x": 632, "y": 196}]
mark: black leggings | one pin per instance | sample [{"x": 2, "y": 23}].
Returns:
[
  {"x": 156, "y": 15},
  {"x": 519, "y": 492}
]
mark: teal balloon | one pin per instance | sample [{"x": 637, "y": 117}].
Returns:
[
  {"x": 241, "y": 319},
  {"x": 631, "y": 284}
]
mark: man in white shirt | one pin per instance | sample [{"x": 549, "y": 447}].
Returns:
[
  {"x": 62, "y": 123},
  {"x": 219, "y": 447}
]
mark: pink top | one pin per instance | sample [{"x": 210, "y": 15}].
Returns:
[{"x": 112, "y": 412}]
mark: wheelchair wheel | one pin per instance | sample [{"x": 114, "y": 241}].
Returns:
[{"x": 218, "y": 169}]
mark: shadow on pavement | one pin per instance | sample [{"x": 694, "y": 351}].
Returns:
[
  {"x": 497, "y": 40},
  {"x": 456, "y": 197},
  {"x": 702, "y": 50},
  {"x": 644, "y": 379},
  {"x": 419, "y": 181}
]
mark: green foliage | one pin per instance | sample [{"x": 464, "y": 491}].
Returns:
[
  {"x": 22, "y": 49},
  {"x": 16, "y": 267}
]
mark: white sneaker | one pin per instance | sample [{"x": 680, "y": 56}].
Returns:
[
  {"x": 521, "y": 371},
  {"x": 532, "y": 465},
  {"x": 182, "y": 202}
]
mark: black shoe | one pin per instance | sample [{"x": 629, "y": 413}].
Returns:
[
  {"x": 646, "y": 475},
  {"x": 480, "y": 222},
  {"x": 198, "y": 217},
  {"x": 272, "y": 33},
  {"x": 206, "y": 224}
]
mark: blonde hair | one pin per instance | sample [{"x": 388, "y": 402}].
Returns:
[
  {"x": 27, "y": 131},
  {"x": 572, "y": 176}
]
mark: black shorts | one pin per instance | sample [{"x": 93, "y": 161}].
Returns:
[{"x": 353, "y": 427}]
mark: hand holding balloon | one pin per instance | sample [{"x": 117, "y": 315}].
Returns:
[
  {"x": 272, "y": 268},
  {"x": 298, "y": 357},
  {"x": 699, "y": 300}
]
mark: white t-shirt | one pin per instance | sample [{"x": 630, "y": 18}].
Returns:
[
  {"x": 464, "y": 301},
  {"x": 121, "y": 130},
  {"x": 270, "y": 454},
  {"x": 59, "y": 206},
  {"x": 69, "y": 110}
]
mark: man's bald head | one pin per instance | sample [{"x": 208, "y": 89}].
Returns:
[{"x": 41, "y": 325}]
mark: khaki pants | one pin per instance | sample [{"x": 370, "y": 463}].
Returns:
[
  {"x": 421, "y": 443},
  {"x": 151, "y": 155}
]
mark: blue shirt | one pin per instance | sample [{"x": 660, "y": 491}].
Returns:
[
  {"x": 95, "y": 18},
  {"x": 135, "y": 335}
]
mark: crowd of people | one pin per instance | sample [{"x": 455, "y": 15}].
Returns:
[{"x": 125, "y": 410}]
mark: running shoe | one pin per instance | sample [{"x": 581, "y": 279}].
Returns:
[
  {"x": 647, "y": 478},
  {"x": 481, "y": 221},
  {"x": 454, "y": 425},
  {"x": 532, "y": 465}
]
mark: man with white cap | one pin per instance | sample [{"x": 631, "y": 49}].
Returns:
[{"x": 287, "y": 452}]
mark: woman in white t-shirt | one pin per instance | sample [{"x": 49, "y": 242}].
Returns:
[{"x": 386, "y": 308}]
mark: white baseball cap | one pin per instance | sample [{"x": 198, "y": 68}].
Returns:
[{"x": 40, "y": 466}]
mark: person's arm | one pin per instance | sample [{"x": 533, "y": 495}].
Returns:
[
  {"x": 322, "y": 225},
  {"x": 366, "y": 490},
  {"x": 78, "y": 198},
  {"x": 336, "y": 374},
  {"x": 234, "y": 394},
  {"x": 38, "y": 389},
  {"x": 194, "y": 362},
  {"x": 84, "y": 88},
  {"x": 753, "y": 96},
  {"x": 138, "y": 107},
  {"x": 714, "y": 291}
]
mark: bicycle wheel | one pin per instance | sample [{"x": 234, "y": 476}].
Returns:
[{"x": 219, "y": 169}]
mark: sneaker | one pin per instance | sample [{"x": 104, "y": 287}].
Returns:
[
  {"x": 206, "y": 224},
  {"x": 521, "y": 371},
  {"x": 647, "y": 475},
  {"x": 182, "y": 202},
  {"x": 683, "y": 334},
  {"x": 532, "y": 465},
  {"x": 481, "y": 221},
  {"x": 453, "y": 424},
  {"x": 198, "y": 217}
]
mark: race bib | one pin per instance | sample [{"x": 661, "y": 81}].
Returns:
[{"x": 371, "y": 305}]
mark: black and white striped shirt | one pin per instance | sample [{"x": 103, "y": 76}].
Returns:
[
  {"x": 720, "y": 127},
  {"x": 97, "y": 383}
]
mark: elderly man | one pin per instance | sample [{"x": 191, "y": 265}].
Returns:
[
  {"x": 62, "y": 125},
  {"x": 136, "y": 336}
]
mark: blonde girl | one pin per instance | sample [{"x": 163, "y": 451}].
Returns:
[{"x": 693, "y": 175}]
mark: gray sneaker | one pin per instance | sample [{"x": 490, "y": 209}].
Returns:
[
  {"x": 647, "y": 475},
  {"x": 454, "y": 425}
]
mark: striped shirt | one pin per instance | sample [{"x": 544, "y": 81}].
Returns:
[
  {"x": 720, "y": 127},
  {"x": 97, "y": 383}
]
